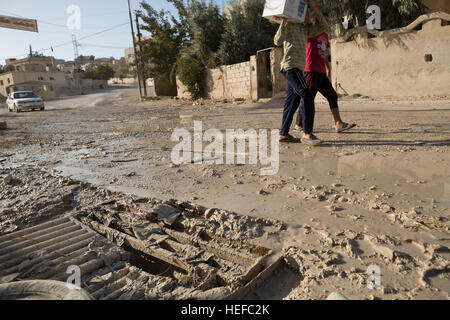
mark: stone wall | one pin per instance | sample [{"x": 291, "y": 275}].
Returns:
[
  {"x": 215, "y": 84},
  {"x": 157, "y": 87},
  {"x": 401, "y": 62},
  {"x": 278, "y": 81},
  {"x": 237, "y": 81},
  {"x": 122, "y": 81},
  {"x": 437, "y": 5}
]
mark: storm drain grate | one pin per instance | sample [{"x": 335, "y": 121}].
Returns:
[
  {"x": 47, "y": 250},
  {"x": 137, "y": 250},
  {"x": 174, "y": 240}
]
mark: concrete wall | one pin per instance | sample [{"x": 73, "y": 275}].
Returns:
[
  {"x": 55, "y": 79},
  {"x": 278, "y": 81},
  {"x": 182, "y": 91},
  {"x": 393, "y": 62},
  {"x": 236, "y": 81},
  {"x": 160, "y": 88},
  {"x": 215, "y": 84},
  {"x": 123, "y": 81},
  {"x": 437, "y": 5},
  {"x": 45, "y": 84},
  {"x": 45, "y": 91}
]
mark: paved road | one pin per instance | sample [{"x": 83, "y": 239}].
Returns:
[{"x": 86, "y": 100}]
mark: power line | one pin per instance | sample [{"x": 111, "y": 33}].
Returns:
[
  {"x": 102, "y": 46},
  {"x": 71, "y": 42},
  {"x": 109, "y": 29}
]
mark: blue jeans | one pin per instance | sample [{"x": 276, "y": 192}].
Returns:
[{"x": 297, "y": 90}]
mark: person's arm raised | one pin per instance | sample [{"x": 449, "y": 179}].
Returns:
[
  {"x": 280, "y": 36},
  {"x": 320, "y": 18}
]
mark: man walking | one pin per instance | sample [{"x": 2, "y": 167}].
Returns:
[
  {"x": 294, "y": 38},
  {"x": 318, "y": 73}
]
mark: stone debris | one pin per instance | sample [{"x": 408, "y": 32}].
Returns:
[
  {"x": 336, "y": 296},
  {"x": 197, "y": 253}
]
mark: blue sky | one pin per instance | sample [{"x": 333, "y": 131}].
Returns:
[{"x": 52, "y": 16}]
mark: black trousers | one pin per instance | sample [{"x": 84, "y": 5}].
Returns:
[
  {"x": 297, "y": 90},
  {"x": 319, "y": 82}
]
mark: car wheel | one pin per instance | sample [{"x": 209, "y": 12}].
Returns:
[
  {"x": 43, "y": 108},
  {"x": 16, "y": 110}
]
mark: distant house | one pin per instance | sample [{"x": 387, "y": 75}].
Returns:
[
  {"x": 42, "y": 76},
  {"x": 38, "y": 74}
]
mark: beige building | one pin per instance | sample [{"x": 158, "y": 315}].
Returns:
[
  {"x": 37, "y": 74},
  {"x": 410, "y": 61},
  {"x": 41, "y": 75},
  {"x": 129, "y": 55}
]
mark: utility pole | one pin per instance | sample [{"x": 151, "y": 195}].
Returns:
[
  {"x": 77, "y": 65},
  {"x": 135, "y": 51},
  {"x": 144, "y": 84}
]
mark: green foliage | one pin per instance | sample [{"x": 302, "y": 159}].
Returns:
[
  {"x": 2, "y": 69},
  {"x": 168, "y": 34},
  {"x": 394, "y": 13},
  {"x": 79, "y": 60},
  {"x": 124, "y": 69},
  {"x": 100, "y": 72},
  {"x": 246, "y": 32},
  {"x": 183, "y": 46},
  {"x": 191, "y": 71},
  {"x": 206, "y": 26}
]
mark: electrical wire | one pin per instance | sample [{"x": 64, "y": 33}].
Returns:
[
  {"x": 70, "y": 42},
  {"x": 102, "y": 46}
]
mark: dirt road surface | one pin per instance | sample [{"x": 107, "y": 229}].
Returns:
[{"x": 378, "y": 195}]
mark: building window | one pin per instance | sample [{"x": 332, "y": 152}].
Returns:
[
  {"x": 51, "y": 78},
  {"x": 51, "y": 88},
  {"x": 41, "y": 78},
  {"x": 1, "y": 82},
  {"x": 9, "y": 81}
]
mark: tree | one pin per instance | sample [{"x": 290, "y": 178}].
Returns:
[
  {"x": 394, "y": 13},
  {"x": 124, "y": 69},
  {"x": 79, "y": 60},
  {"x": 246, "y": 32},
  {"x": 100, "y": 72},
  {"x": 91, "y": 58},
  {"x": 168, "y": 35},
  {"x": 2, "y": 69},
  {"x": 191, "y": 70},
  {"x": 186, "y": 43},
  {"x": 206, "y": 26}
]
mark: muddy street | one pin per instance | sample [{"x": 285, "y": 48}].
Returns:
[{"x": 377, "y": 195}]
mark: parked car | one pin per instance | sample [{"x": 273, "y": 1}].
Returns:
[{"x": 24, "y": 100}]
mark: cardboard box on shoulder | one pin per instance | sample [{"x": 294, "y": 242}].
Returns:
[{"x": 292, "y": 10}]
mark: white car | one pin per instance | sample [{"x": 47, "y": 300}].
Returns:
[{"x": 24, "y": 100}]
